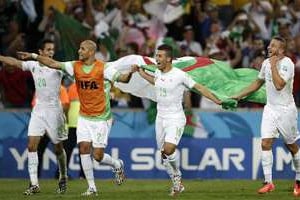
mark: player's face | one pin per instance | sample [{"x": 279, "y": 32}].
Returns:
[
  {"x": 161, "y": 59},
  {"x": 48, "y": 50},
  {"x": 84, "y": 52},
  {"x": 274, "y": 48}
]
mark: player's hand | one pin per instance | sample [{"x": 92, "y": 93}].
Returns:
[
  {"x": 229, "y": 104},
  {"x": 135, "y": 68},
  {"x": 24, "y": 55},
  {"x": 273, "y": 61},
  {"x": 236, "y": 97}
]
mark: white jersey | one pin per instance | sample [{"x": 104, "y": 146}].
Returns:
[
  {"x": 279, "y": 98},
  {"x": 47, "y": 83},
  {"x": 169, "y": 88}
]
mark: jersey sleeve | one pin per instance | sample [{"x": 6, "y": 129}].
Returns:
[
  {"x": 110, "y": 73},
  {"x": 188, "y": 81},
  {"x": 262, "y": 72},
  {"x": 68, "y": 67},
  {"x": 286, "y": 70},
  {"x": 29, "y": 65}
]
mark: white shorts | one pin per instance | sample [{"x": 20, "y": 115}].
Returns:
[
  {"x": 51, "y": 121},
  {"x": 283, "y": 121},
  {"x": 169, "y": 130},
  {"x": 93, "y": 131}
]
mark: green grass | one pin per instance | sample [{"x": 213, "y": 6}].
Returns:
[{"x": 150, "y": 189}]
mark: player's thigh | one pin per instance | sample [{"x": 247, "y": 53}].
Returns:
[
  {"x": 159, "y": 132},
  {"x": 173, "y": 130},
  {"x": 37, "y": 124},
  {"x": 268, "y": 124},
  {"x": 83, "y": 131},
  {"x": 287, "y": 125},
  {"x": 56, "y": 125},
  {"x": 99, "y": 132}
]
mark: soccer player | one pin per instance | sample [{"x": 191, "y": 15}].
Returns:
[
  {"x": 280, "y": 112},
  {"x": 95, "y": 118},
  {"x": 170, "y": 84},
  {"x": 47, "y": 115}
]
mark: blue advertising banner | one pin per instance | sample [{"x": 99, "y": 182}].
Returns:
[
  {"x": 199, "y": 158},
  {"x": 229, "y": 148}
]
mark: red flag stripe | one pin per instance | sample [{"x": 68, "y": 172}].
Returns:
[{"x": 200, "y": 62}]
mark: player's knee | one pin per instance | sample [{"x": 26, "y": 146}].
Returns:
[
  {"x": 167, "y": 151},
  {"x": 58, "y": 148},
  {"x": 84, "y": 148},
  {"x": 266, "y": 145},
  {"x": 98, "y": 155},
  {"x": 32, "y": 147}
]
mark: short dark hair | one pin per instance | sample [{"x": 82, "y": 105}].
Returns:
[
  {"x": 43, "y": 42},
  {"x": 167, "y": 48},
  {"x": 282, "y": 40}
]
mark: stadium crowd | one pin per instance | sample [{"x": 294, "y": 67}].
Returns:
[{"x": 236, "y": 32}]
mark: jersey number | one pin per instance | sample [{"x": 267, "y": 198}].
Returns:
[
  {"x": 41, "y": 82},
  {"x": 162, "y": 92}
]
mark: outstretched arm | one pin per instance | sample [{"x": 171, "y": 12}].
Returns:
[
  {"x": 11, "y": 61},
  {"x": 42, "y": 59},
  {"x": 250, "y": 89},
  {"x": 143, "y": 74},
  {"x": 125, "y": 78},
  {"x": 205, "y": 92}
]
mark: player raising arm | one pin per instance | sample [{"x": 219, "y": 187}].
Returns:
[
  {"x": 170, "y": 84},
  {"x": 280, "y": 112},
  {"x": 95, "y": 118},
  {"x": 47, "y": 116}
]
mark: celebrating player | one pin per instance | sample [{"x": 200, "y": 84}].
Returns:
[
  {"x": 47, "y": 115},
  {"x": 95, "y": 118},
  {"x": 170, "y": 84}
]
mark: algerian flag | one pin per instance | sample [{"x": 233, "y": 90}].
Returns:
[{"x": 216, "y": 75}]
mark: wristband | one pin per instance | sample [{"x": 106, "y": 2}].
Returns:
[{"x": 34, "y": 56}]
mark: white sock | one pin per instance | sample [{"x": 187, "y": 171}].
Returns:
[
  {"x": 108, "y": 160},
  {"x": 33, "y": 162},
  {"x": 267, "y": 163},
  {"x": 174, "y": 162},
  {"x": 296, "y": 162},
  {"x": 168, "y": 167},
  {"x": 62, "y": 164},
  {"x": 88, "y": 169}
]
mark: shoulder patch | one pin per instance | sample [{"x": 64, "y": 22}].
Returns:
[{"x": 284, "y": 68}]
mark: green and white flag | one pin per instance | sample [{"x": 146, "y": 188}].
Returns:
[{"x": 217, "y": 76}]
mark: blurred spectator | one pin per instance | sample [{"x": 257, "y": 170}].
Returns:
[
  {"x": 297, "y": 70},
  {"x": 102, "y": 52},
  {"x": 284, "y": 28},
  {"x": 258, "y": 57},
  {"x": 240, "y": 25},
  {"x": 47, "y": 27},
  {"x": 259, "y": 10},
  {"x": 293, "y": 13},
  {"x": 255, "y": 47},
  {"x": 205, "y": 20},
  {"x": 14, "y": 82},
  {"x": 189, "y": 47}
]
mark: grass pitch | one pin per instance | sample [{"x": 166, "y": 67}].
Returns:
[{"x": 11, "y": 189}]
